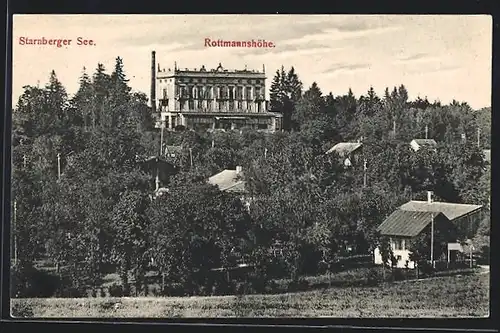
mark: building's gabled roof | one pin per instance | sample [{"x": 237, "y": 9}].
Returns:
[
  {"x": 487, "y": 155},
  {"x": 431, "y": 143},
  {"x": 451, "y": 210},
  {"x": 228, "y": 180},
  {"x": 345, "y": 148},
  {"x": 405, "y": 223}
]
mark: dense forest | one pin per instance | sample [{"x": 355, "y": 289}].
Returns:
[{"x": 82, "y": 199}]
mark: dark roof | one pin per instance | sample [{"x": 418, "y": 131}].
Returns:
[
  {"x": 451, "y": 210},
  {"x": 406, "y": 223}
]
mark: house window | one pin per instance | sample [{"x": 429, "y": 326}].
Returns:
[
  {"x": 257, "y": 92},
  {"x": 398, "y": 244}
]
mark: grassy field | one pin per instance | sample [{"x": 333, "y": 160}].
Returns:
[{"x": 451, "y": 296}]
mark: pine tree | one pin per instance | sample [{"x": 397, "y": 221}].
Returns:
[
  {"x": 119, "y": 88},
  {"x": 56, "y": 98},
  {"x": 275, "y": 92},
  {"x": 82, "y": 102},
  {"x": 101, "y": 84},
  {"x": 286, "y": 90}
]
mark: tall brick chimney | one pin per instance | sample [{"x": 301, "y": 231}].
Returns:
[{"x": 153, "y": 82}]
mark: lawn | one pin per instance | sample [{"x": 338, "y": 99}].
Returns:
[{"x": 450, "y": 296}]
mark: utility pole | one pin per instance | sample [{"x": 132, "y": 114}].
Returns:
[
  {"x": 15, "y": 233},
  {"x": 58, "y": 166},
  {"x": 265, "y": 153},
  {"x": 394, "y": 128},
  {"x": 432, "y": 239},
  {"x": 157, "y": 179},
  {"x": 191, "y": 156},
  {"x": 478, "y": 137},
  {"x": 161, "y": 139},
  {"x": 426, "y": 131},
  {"x": 213, "y": 143},
  {"x": 24, "y": 161},
  {"x": 364, "y": 173}
]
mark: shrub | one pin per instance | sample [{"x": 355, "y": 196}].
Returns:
[
  {"x": 272, "y": 287},
  {"x": 425, "y": 269},
  {"x": 115, "y": 290},
  {"x": 22, "y": 309},
  {"x": 31, "y": 282},
  {"x": 373, "y": 277},
  {"x": 398, "y": 274},
  {"x": 298, "y": 285},
  {"x": 174, "y": 289}
]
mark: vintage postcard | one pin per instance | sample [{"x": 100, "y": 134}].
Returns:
[{"x": 311, "y": 166}]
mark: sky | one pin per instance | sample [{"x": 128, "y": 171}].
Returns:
[{"x": 441, "y": 57}]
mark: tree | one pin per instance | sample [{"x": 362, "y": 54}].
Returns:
[
  {"x": 385, "y": 252},
  {"x": 310, "y": 107},
  {"x": 286, "y": 90},
  {"x": 101, "y": 85},
  {"x": 195, "y": 229},
  {"x": 57, "y": 98},
  {"x": 120, "y": 91},
  {"x": 130, "y": 221},
  {"x": 82, "y": 102}
]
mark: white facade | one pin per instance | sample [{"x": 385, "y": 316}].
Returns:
[{"x": 400, "y": 250}]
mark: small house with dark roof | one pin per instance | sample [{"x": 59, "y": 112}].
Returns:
[
  {"x": 349, "y": 152},
  {"x": 459, "y": 222},
  {"x": 403, "y": 226},
  {"x": 159, "y": 168},
  {"x": 417, "y": 144}
]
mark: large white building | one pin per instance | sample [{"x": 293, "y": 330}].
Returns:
[{"x": 211, "y": 99}]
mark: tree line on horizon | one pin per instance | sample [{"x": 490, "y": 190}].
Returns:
[{"x": 83, "y": 199}]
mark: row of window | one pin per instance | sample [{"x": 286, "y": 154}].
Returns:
[
  {"x": 221, "y": 106},
  {"x": 206, "y": 92},
  {"x": 203, "y": 80}
]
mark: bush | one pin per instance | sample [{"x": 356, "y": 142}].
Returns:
[
  {"x": 31, "y": 282},
  {"x": 115, "y": 290},
  {"x": 425, "y": 269},
  {"x": 271, "y": 287},
  {"x": 398, "y": 274},
  {"x": 174, "y": 289},
  {"x": 299, "y": 285},
  {"x": 373, "y": 277},
  {"x": 22, "y": 309}
]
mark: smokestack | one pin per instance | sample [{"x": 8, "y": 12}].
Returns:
[
  {"x": 153, "y": 82},
  {"x": 429, "y": 196}
]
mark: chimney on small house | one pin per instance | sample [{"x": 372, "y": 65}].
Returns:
[
  {"x": 238, "y": 169},
  {"x": 429, "y": 196},
  {"x": 153, "y": 82}
]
